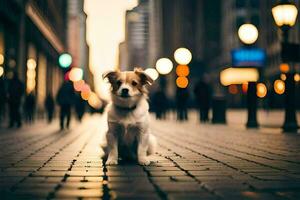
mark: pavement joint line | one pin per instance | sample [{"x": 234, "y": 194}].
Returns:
[
  {"x": 32, "y": 173},
  {"x": 65, "y": 178},
  {"x": 228, "y": 154},
  {"x": 28, "y": 144},
  {"x": 190, "y": 175},
  {"x": 160, "y": 192},
  {"x": 233, "y": 149}
]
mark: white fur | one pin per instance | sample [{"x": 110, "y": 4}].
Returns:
[{"x": 129, "y": 125}]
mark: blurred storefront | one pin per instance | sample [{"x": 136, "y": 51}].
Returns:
[{"x": 32, "y": 35}]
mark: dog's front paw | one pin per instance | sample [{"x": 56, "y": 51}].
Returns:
[
  {"x": 144, "y": 161},
  {"x": 111, "y": 162}
]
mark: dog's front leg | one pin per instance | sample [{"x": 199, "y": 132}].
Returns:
[
  {"x": 142, "y": 149},
  {"x": 114, "y": 130}
]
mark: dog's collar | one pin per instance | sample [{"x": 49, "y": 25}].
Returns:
[{"x": 125, "y": 108}]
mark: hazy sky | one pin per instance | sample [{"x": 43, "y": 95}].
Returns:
[{"x": 105, "y": 30}]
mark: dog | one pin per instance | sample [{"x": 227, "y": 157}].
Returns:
[{"x": 128, "y": 134}]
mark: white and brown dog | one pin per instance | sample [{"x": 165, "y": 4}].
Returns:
[{"x": 129, "y": 133}]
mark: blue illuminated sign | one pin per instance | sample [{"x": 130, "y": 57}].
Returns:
[{"x": 248, "y": 57}]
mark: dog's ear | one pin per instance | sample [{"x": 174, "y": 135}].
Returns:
[
  {"x": 111, "y": 76},
  {"x": 145, "y": 78}
]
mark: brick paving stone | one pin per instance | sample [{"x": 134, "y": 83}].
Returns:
[{"x": 193, "y": 162}]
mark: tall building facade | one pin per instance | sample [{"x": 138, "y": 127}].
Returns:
[
  {"x": 76, "y": 41},
  {"x": 32, "y": 36}
]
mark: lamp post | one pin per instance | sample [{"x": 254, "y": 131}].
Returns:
[
  {"x": 285, "y": 15},
  {"x": 248, "y": 35}
]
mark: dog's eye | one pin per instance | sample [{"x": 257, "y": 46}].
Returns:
[
  {"x": 134, "y": 83},
  {"x": 119, "y": 82}
]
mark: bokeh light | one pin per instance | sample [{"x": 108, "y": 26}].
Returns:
[
  {"x": 31, "y": 74},
  {"x": 233, "y": 89},
  {"x": 31, "y": 63},
  {"x": 164, "y": 66},
  {"x": 284, "y": 67},
  {"x": 78, "y": 85},
  {"x": 1, "y": 71},
  {"x": 285, "y": 14},
  {"x": 296, "y": 77},
  {"x": 183, "y": 56},
  {"x": 182, "y": 82},
  {"x": 279, "y": 86},
  {"x": 261, "y": 90},
  {"x": 1, "y": 59},
  {"x": 182, "y": 70},
  {"x": 152, "y": 73},
  {"x": 231, "y": 76},
  {"x": 245, "y": 87},
  {"x": 85, "y": 95},
  {"x": 30, "y": 85},
  {"x": 76, "y": 74},
  {"x": 283, "y": 77},
  {"x": 65, "y": 60},
  {"x": 94, "y": 101},
  {"x": 248, "y": 33}
]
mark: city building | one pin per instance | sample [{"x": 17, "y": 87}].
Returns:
[
  {"x": 76, "y": 37},
  {"x": 32, "y": 36}
]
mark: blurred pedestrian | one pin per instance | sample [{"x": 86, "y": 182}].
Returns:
[
  {"x": 29, "y": 107},
  {"x": 79, "y": 107},
  {"x": 159, "y": 103},
  {"x": 182, "y": 97},
  {"x": 65, "y": 99},
  {"x": 49, "y": 107},
  {"x": 202, "y": 93},
  {"x": 15, "y": 93},
  {"x": 2, "y": 98}
]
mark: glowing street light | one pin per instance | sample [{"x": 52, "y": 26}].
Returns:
[
  {"x": 296, "y": 77},
  {"x": 285, "y": 14},
  {"x": 164, "y": 66},
  {"x": 65, "y": 60},
  {"x": 183, "y": 56},
  {"x": 152, "y": 73},
  {"x": 248, "y": 33},
  {"x": 261, "y": 90},
  {"x": 76, "y": 74},
  {"x": 31, "y": 64},
  {"x": 1, "y": 71},
  {"x": 182, "y": 70},
  {"x": 182, "y": 82},
  {"x": 1, "y": 59},
  {"x": 279, "y": 87}
]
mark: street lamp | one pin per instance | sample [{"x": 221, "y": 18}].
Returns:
[
  {"x": 285, "y": 15},
  {"x": 248, "y": 35}
]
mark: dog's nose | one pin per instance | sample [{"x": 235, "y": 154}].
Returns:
[{"x": 125, "y": 92}]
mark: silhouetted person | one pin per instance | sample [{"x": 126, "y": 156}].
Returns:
[
  {"x": 49, "y": 106},
  {"x": 159, "y": 102},
  {"x": 29, "y": 107},
  {"x": 79, "y": 107},
  {"x": 2, "y": 98},
  {"x": 65, "y": 99},
  {"x": 182, "y": 97},
  {"x": 202, "y": 93},
  {"x": 15, "y": 92}
]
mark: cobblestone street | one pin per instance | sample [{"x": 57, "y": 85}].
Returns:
[{"x": 193, "y": 162}]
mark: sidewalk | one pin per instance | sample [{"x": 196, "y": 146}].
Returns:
[{"x": 193, "y": 162}]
